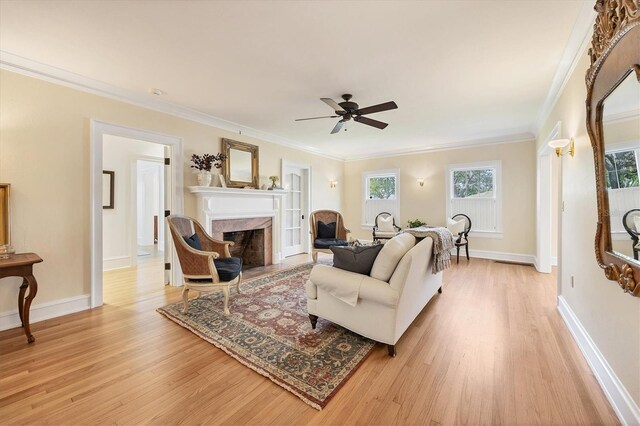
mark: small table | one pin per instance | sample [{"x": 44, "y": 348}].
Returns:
[{"x": 21, "y": 265}]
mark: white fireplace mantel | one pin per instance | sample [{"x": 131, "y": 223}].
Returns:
[{"x": 216, "y": 203}]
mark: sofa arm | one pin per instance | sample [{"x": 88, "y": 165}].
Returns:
[
  {"x": 311, "y": 290},
  {"x": 327, "y": 278}
]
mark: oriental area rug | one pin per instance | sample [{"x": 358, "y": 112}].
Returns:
[{"x": 269, "y": 331}]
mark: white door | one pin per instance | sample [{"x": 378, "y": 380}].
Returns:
[
  {"x": 168, "y": 203},
  {"x": 296, "y": 210}
]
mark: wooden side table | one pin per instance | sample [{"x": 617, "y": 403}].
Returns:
[{"x": 21, "y": 265}]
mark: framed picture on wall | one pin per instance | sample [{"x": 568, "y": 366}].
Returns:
[{"x": 108, "y": 183}]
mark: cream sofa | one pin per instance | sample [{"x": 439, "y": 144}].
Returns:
[{"x": 378, "y": 308}]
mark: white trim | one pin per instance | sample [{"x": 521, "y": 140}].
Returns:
[
  {"x": 117, "y": 262},
  {"x": 544, "y": 192},
  {"x": 494, "y": 255},
  {"x": 617, "y": 395},
  {"x": 492, "y": 140},
  {"x": 554, "y": 260},
  {"x": 365, "y": 190},
  {"x": 98, "y": 130},
  {"x": 28, "y": 67},
  {"x": 573, "y": 52},
  {"x": 305, "y": 237},
  {"x": 44, "y": 311},
  {"x": 621, "y": 116},
  {"x": 487, "y": 234}
]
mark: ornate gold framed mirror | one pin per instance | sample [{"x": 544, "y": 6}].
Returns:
[
  {"x": 241, "y": 164},
  {"x": 5, "y": 214},
  {"x": 613, "y": 124}
]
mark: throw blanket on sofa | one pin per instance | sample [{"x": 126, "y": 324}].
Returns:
[{"x": 442, "y": 245}]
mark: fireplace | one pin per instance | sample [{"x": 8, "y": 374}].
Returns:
[{"x": 252, "y": 239}]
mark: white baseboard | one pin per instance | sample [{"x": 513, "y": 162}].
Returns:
[
  {"x": 45, "y": 311},
  {"x": 618, "y": 396},
  {"x": 496, "y": 255},
  {"x": 116, "y": 263},
  {"x": 554, "y": 261}
]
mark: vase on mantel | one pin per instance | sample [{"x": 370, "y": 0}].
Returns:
[{"x": 204, "y": 178}]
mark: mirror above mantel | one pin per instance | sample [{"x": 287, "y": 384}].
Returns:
[
  {"x": 241, "y": 164},
  {"x": 613, "y": 123}
]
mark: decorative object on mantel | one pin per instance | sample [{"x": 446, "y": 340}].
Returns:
[
  {"x": 274, "y": 180},
  {"x": 6, "y": 250},
  {"x": 269, "y": 332},
  {"x": 203, "y": 164},
  {"x": 615, "y": 68}
]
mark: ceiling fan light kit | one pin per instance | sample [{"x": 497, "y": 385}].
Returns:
[{"x": 348, "y": 110}]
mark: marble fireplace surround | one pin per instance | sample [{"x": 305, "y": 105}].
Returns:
[{"x": 221, "y": 204}]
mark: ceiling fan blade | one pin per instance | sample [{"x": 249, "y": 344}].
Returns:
[
  {"x": 371, "y": 122},
  {"x": 333, "y": 104},
  {"x": 315, "y": 118},
  {"x": 338, "y": 127},
  {"x": 377, "y": 108}
]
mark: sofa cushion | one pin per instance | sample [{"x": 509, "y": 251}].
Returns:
[
  {"x": 326, "y": 230},
  {"x": 325, "y": 243},
  {"x": 193, "y": 241},
  {"x": 357, "y": 259},
  {"x": 390, "y": 255}
]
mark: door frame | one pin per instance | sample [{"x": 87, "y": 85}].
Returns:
[
  {"x": 305, "y": 207},
  {"x": 98, "y": 130},
  {"x": 544, "y": 193}
]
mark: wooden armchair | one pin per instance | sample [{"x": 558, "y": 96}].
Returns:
[
  {"x": 322, "y": 241},
  {"x": 629, "y": 223},
  {"x": 463, "y": 236},
  {"x": 207, "y": 268}
]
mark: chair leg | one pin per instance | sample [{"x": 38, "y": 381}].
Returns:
[
  {"x": 225, "y": 290},
  {"x": 440, "y": 290},
  {"x": 466, "y": 247},
  {"x": 185, "y": 299},
  {"x": 314, "y": 255},
  {"x": 314, "y": 320},
  {"x": 457, "y": 254},
  {"x": 392, "y": 350},
  {"x": 238, "y": 283}
]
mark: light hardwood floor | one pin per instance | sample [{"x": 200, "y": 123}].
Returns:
[{"x": 492, "y": 349}]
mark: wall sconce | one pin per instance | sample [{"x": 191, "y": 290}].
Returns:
[
  {"x": 421, "y": 181},
  {"x": 558, "y": 144},
  {"x": 333, "y": 183}
]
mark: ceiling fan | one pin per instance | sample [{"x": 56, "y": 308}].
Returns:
[{"x": 348, "y": 110}]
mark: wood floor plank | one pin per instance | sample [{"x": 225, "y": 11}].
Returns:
[{"x": 491, "y": 349}]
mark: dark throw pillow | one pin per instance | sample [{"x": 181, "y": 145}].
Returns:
[
  {"x": 357, "y": 259},
  {"x": 326, "y": 230},
  {"x": 193, "y": 241}
]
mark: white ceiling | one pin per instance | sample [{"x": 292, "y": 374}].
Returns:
[{"x": 458, "y": 70}]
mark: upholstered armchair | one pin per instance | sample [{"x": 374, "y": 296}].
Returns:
[
  {"x": 206, "y": 263},
  {"x": 331, "y": 232},
  {"x": 385, "y": 227}
]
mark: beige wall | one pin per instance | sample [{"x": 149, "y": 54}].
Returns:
[
  {"x": 44, "y": 154},
  {"x": 609, "y": 316},
  {"x": 428, "y": 202}
]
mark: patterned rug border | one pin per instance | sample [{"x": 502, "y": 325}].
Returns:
[{"x": 307, "y": 399}]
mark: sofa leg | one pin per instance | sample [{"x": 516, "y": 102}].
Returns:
[
  {"x": 314, "y": 320},
  {"x": 392, "y": 350},
  {"x": 440, "y": 290}
]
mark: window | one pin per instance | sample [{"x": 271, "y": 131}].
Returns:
[
  {"x": 623, "y": 185},
  {"x": 474, "y": 189},
  {"x": 381, "y": 194}
]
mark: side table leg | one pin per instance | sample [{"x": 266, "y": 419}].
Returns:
[
  {"x": 23, "y": 289},
  {"x": 33, "y": 290}
]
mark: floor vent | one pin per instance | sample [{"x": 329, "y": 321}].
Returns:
[{"x": 507, "y": 262}]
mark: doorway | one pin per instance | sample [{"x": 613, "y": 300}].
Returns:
[
  {"x": 149, "y": 195},
  {"x": 296, "y": 181},
  {"x": 164, "y": 150}
]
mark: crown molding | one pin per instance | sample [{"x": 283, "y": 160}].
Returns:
[
  {"x": 621, "y": 116},
  {"x": 493, "y": 140},
  {"x": 30, "y": 68},
  {"x": 574, "y": 51}
]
